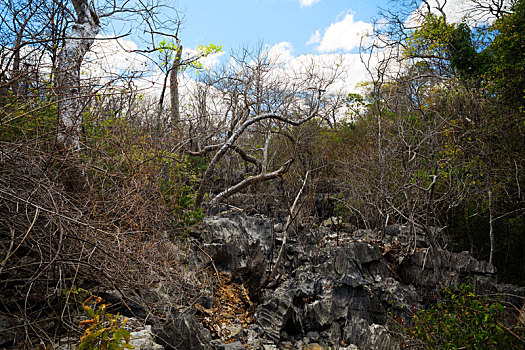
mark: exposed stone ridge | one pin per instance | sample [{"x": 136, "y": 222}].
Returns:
[{"x": 334, "y": 292}]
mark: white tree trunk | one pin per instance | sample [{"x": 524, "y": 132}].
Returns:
[
  {"x": 491, "y": 221},
  {"x": 70, "y": 105}
]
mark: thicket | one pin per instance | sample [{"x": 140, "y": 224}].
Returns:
[
  {"x": 105, "y": 221},
  {"x": 464, "y": 319},
  {"x": 434, "y": 143}
]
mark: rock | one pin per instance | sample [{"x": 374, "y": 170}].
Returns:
[
  {"x": 183, "y": 332},
  {"x": 143, "y": 340},
  {"x": 337, "y": 296},
  {"x": 430, "y": 269},
  {"x": 252, "y": 337},
  {"x": 364, "y": 234},
  {"x": 275, "y": 313},
  {"x": 234, "y": 346},
  {"x": 314, "y": 346},
  {"x": 313, "y": 336},
  {"x": 239, "y": 244}
]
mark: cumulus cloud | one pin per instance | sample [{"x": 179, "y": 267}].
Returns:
[
  {"x": 111, "y": 56},
  {"x": 344, "y": 35},
  {"x": 281, "y": 52},
  {"x": 308, "y": 3},
  {"x": 207, "y": 62},
  {"x": 351, "y": 71}
]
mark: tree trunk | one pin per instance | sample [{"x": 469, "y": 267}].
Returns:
[
  {"x": 174, "y": 89},
  {"x": 230, "y": 144},
  {"x": 70, "y": 106},
  {"x": 491, "y": 221}
]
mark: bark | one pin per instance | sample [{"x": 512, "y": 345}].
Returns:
[
  {"x": 245, "y": 156},
  {"x": 250, "y": 181},
  {"x": 174, "y": 88},
  {"x": 291, "y": 218},
  {"x": 70, "y": 105},
  {"x": 491, "y": 220}
]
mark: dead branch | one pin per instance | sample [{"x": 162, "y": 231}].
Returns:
[{"x": 250, "y": 181}]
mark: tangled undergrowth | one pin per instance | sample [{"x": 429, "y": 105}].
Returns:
[
  {"x": 110, "y": 220},
  {"x": 464, "y": 319}
]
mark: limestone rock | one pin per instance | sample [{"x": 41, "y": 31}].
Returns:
[
  {"x": 182, "y": 332},
  {"x": 143, "y": 340}
]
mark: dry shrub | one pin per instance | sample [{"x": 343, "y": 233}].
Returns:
[{"x": 102, "y": 223}]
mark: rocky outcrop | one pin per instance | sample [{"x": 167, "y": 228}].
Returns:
[
  {"x": 182, "y": 331},
  {"x": 333, "y": 290},
  {"x": 336, "y": 291},
  {"x": 239, "y": 244}
]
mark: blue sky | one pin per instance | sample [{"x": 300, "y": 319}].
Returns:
[
  {"x": 244, "y": 23},
  {"x": 296, "y": 33}
]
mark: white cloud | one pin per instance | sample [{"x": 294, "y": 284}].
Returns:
[
  {"x": 348, "y": 68},
  {"x": 207, "y": 62},
  {"x": 308, "y": 3},
  {"x": 281, "y": 52},
  {"x": 345, "y": 34},
  {"x": 110, "y": 57},
  {"x": 315, "y": 38}
]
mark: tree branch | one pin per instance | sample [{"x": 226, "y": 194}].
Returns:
[
  {"x": 250, "y": 181},
  {"x": 229, "y": 143}
]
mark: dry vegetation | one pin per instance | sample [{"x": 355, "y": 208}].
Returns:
[{"x": 104, "y": 200}]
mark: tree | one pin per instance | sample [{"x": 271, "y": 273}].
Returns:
[
  {"x": 258, "y": 103},
  {"x": 449, "y": 96},
  {"x": 70, "y": 108}
]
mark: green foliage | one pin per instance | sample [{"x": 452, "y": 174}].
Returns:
[
  {"x": 464, "y": 59},
  {"x": 465, "y": 320},
  {"x": 179, "y": 189},
  {"x": 431, "y": 39},
  {"x": 506, "y": 76},
  {"x": 23, "y": 123},
  {"x": 104, "y": 330},
  {"x": 454, "y": 45},
  {"x": 169, "y": 49}
]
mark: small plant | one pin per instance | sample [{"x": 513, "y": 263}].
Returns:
[
  {"x": 464, "y": 320},
  {"x": 105, "y": 331}
]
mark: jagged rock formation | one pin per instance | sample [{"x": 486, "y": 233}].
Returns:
[{"x": 336, "y": 291}]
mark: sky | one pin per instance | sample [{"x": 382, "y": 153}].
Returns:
[
  {"x": 323, "y": 32},
  {"x": 309, "y": 26}
]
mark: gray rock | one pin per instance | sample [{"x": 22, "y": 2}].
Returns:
[
  {"x": 313, "y": 336},
  {"x": 234, "y": 346},
  {"x": 239, "y": 244},
  {"x": 182, "y": 332},
  {"x": 332, "y": 295},
  {"x": 429, "y": 268},
  {"x": 143, "y": 340}
]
